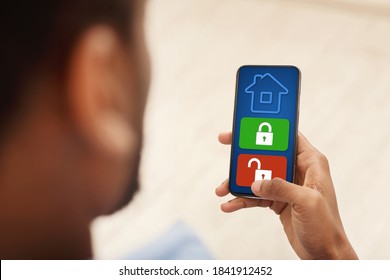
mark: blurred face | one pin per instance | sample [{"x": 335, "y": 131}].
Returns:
[
  {"x": 107, "y": 85},
  {"x": 140, "y": 64},
  {"x": 74, "y": 149}
]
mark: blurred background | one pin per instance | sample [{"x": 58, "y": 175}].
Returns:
[{"x": 343, "y": 50}]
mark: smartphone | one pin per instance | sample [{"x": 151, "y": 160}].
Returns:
[{"x": 265, "y": 126}]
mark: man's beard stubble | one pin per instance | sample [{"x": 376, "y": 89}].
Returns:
[{"x": 132, "y": 186}]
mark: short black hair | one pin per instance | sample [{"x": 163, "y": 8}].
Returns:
[{"x": 34, "y": 32}]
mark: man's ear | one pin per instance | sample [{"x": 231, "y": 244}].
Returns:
[{"x": 99, "y": 88}]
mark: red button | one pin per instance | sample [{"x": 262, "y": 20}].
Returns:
[{"x": 264, "y": 167}]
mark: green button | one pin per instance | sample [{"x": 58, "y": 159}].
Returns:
[{"x": 264, "y": 134}]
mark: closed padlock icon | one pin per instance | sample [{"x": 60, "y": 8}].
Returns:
[
  {"x": 264, "y": 138},
  {"x": 259, "y": 173}
]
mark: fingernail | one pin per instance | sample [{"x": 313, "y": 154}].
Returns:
[{"x": 256, "y": 186}]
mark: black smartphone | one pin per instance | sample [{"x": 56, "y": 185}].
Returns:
[{"x": 265, "y": 126}]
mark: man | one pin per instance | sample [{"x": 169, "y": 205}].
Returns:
[{"x": 74, "y": 78}]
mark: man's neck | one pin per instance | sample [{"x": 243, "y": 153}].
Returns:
[
  {"x": 30, "y": 233},
  {"x": 42, "y": 214}
]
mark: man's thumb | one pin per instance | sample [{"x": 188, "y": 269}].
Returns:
[{"x": 277, "y": 190}]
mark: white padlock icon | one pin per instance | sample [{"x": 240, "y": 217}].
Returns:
[
  {"x": 260, "y": 174},
  {"x": 264, "y": 138}
]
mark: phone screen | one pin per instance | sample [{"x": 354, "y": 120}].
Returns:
[{"x": 265, "y": 126}]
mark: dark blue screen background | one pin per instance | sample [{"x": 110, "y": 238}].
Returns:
[{"x": 289, "y": 76}]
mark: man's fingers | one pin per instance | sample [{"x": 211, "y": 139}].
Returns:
[
  {"x": 304, "y": 145},
  {"x": 308, "y": 155},
  {"x": 240, "y": 203},
  {"x": 278, "y": 190},
  {"x": 278, "y": 207},
  {"x": 223, "y": 189},
  {"x": 225, "y": 138}
]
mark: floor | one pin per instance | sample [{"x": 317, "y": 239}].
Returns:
[{"x": 343, "y": 51}]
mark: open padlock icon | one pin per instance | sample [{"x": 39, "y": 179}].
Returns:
[
  {"x": 264, "y": 137},
  {"x": 259, "y": 173}
]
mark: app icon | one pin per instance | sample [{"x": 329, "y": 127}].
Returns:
[
  {"x": 260, "y": 174},
  {"x": 264, "y": 138},
  {"x": 266, "y": 93},
  {"x": 252, "y": 167},
  {"x": 264, "y": 134}
]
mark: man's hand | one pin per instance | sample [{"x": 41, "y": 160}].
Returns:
[{"x": 308, "y": 209}]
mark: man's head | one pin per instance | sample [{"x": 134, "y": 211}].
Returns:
[{"x": 73, "y": 82}]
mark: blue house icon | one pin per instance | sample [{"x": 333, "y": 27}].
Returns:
[{"x": 267, "y": 94}]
